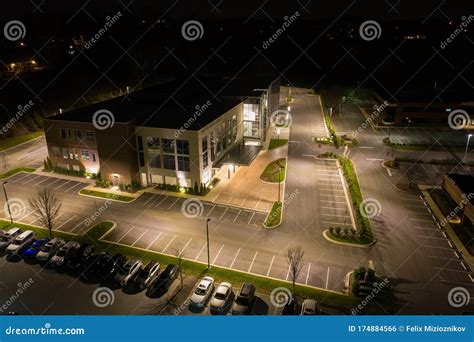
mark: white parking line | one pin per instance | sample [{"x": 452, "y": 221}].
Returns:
[
  {"x": 211, "y": 210},
  {"x": 236, "y": 216},
  {"x": 446, "y": 249},
  {"x": 450, "y": 244},
  {"x": 340, "y": 223},
  {"x": 450, "y": 270},
  {"x": 152, "y": 196},
  {"x": 417, "y": 212},
  {"x": 410, "y": 199},
  {"x": 307, "y": 274},
  {"x": 270, "y": 267},
  {"x": 72, "y": 217},
  {"x": 138, "y": 239},
  {"x": 16, "y": 180},
  {"x": 154, "y": 240},
  {"x": 177, "y": 199},
  {"x": 217, "y": 255},
  {"x": 72, "y": 187},
  {"x": 344, "y": 216},
  {"x": 60, "y": 185},
  {"x": 235, "y": 257},
  {"x": 332, "y": 201},
  {"x": 332, "y": 195},
  {"x": 220, "y": 218},
  {"x": 463, "y": 266},
  {"x": 186, "y": 245},
  {"x": 169, "y": 243},
  {"x": 197, "y": 256},
  {"x": 45, "y": 178},
  {"x": 330, "y": 190},
  {"x": 57, "y": 179},
  {"x": 334, "y": 208},
  {"x": 251, "y": 264},
  {"x": 157, "y": 205},
  {"x": 327, "y": 279},
  {"x": 31, "y": 179},
  {"x": 411, "y": 219},
  {"x": 251, "y": 217},
  {"x": 128, "y": 231},
  {"x": 415, "y": 206},
  {"x": 288, "y": 273}
]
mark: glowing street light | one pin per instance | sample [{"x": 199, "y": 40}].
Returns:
[{"x": 467, "y": 147}]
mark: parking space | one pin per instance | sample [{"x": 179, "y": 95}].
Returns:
[
  {"x": 332, "y": 195},
  {"x": 425, "y": 135},
  {"x": 434, "y": 243},
  {"x": 210, "y": 210},
  {"x": 41, "y": 181}
]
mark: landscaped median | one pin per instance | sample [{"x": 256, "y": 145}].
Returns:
[
  {"x": 15, "y": 171},
  {"x": 273, "y": 218},
  {"x": 275, "y": 143},
  {"x": 363, "y": 235},
  {"x": 275, "y": 171},
  {"x": 107, "y": 195}
]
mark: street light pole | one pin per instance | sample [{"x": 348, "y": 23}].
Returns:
[
  {"x": 208, "y": 253},
  {"x": 467, "y": 147},
  {"x": 8, "y": 203}
]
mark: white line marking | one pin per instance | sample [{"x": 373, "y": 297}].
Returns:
[
  {"x": 211, "y": 210},
  {"x": 138, "y": 239},
  {"x": 340, "y": 223},
  {"x": 199, "y": 254},
  {"x": 217, "y": 255},
  {"x": 367, "y": 147},
  {"x": 463, "y": 266},
  {"x": 45, "y": 178},
  {"x": 374, "y": 159},
  {"x": 449, "y": 270},
  {"x": 169, "y": 243},
  {"x": 332, "y": 201},
  {"x": 72, "y": 217},
  {"x": 411, "y": 219},
  {"x": 220, "y": 218},
  {"x": 288, "y": 273},
  {"x": 389, "y": 171},
  {"x": 450, "y": 244},
  {"x": 235, "y": 258},
  {"x": 72, "y": 187},
  {"x": 152, "y": 196},
  {"x": 60, "y": 185},
  {"x": 470, "y": 277},
  {"x": 158, "y": 204},
  {"x": 307, "y": 274},
  {"x": 270, "y": 267},
  {"x": 177, "y": 199},
  {"x": 186, "y": 245},
  {"x": 344, "y": 216},
  {"x": 251, "y": 264},
  {"x": 251, "y": 217},
  {"x": 334, "y": 208},
  {"x": 128, "y": 231},
  {"x": 327, "y": 279},
  {"x": 236, "y": 216}
]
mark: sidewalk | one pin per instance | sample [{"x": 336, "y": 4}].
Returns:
[{"x": 66, "y": 177}]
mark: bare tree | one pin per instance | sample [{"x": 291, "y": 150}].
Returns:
[
  {"x": 46, "y": 206},
  {"x": 179, "y": 255},
  {"x": 294, "y": 258}
]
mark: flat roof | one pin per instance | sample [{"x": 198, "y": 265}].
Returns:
[
  {"x": 464, "y": 182},
  {"x": 172, "y": 104}
]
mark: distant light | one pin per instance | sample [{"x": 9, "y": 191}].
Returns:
[
  {"x": 182, "y": 190},
  {"x": 33, "y": 62},
  {"x": 13, "y": 65},
  {"x": 22, "y": 44}
]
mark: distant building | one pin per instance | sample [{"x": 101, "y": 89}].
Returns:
[{"x": 178, "y": 133}]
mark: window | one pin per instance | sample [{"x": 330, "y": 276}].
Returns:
[
  {"x": 183, "y": 163},
  {"x": 56, "y": 151},
  {"x": 77, "y": 135},
  {"x": 182, "y": 146},
  {"x": 140, "y": 143},
  {"x": 205, "y": 161},
  {"x": 153, "y": 144},
  {"x": 155, "y": 161},
  {"x": 167, "y": 145},
  {"x": 169, "y": 162},
  {"x": 85, "y": 155},
  {"x": 63, "y": 133},
  {"x": 75, "y": 153},
  {"x": 69, "y": 134},
  {"x": 65, "y": 153},
  {"x": 141, "y": 159},
  {"x": 90, "y": 135},
  {"x": 94, "y": 159}
]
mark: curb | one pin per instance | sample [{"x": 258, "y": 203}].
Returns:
[
  {"x": 16, "y": 174},
  {"x": 348, "y": 244},
  {"x": 107, "y": 199}
]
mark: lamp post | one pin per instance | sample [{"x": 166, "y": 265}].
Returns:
[
  {"x": 208, "y": 253},
  {"x": 8, "y": 203},
  {"x": 467, "y": 147}
]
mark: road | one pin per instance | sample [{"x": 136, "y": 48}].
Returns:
[{"x": 30, "y": 154}]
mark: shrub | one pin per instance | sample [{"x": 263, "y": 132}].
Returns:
[{"x": 136, "y": 185}]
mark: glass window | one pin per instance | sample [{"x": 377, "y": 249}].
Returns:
[
  {"x": 56, "y": 151},
  {"x": 167, "y": 145},
  {"x": 63, "y": 133},
  {"x": 85, "y": 154},
  {"x": 77, "y": 135},
  {"x": 155, "y": 160},
  {"x": 76, "y": 154},
  {"x": 169, "y": 162},
  {"x": 94, "y": 159},
  {"x": 205, "y": 160},
  {"x": 183, "y": 163},
  {"x": 69, "y": 134},
  {"x": 65, "y": 153},
  {"x": 141, "y": 159},
  {"x": 90, "y": 135},
  {"x": 153, "y": 144},
  {"x": 182, "y": 146},
  {"x": 140, "y": 143}
]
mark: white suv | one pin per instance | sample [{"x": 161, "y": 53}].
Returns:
[
  {"x": 202, "y": 292},
  {"x": 20, "y": 242}
]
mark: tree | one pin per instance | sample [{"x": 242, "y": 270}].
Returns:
[
  {"x": 415, "y": 173},
  {"x": 179, "y": 255},
  {"x": 46, "y": 206},
  {"x": 294, "y": 259}
]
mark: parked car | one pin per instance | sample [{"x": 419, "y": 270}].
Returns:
[
  {"x": 20, "y": 242},
  {"x": 165, "y": 279},
  {"x": 147, "y": 275},
  {"x": 60, "y": 258},
  {"x": 80, "y": 257},
  {"x": 202, "y": 292},
  {"x": 309, "y": 307},
  {"x": 49, "y": 249},
  {"x": 244, "y": 301},
  {"x": 128, "y": 272},
  {"x": 34, "y": 248},
  {"x": 8, "y": 237},
  {"x": 111, "y": 266},
  {"x": 221, "y": 298}
]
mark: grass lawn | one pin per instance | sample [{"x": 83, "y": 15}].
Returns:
[
  {"x": 13, "y": 141},
  {"x": 263, "y": 285},
  {"x": 274, "y": 143},
  {"x": 107, "y": 195},
  {"x": 15, "y": 171},
  {"x": 274, "y": 216},
  {"x": 273, "y": 173}
]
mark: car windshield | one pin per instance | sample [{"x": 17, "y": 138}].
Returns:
[
  {"x": 46, "y": 248},
  {"x": 242, "y": 300},
  {"x": 4, "y": 238},
  {"x": 62, "y": 252},
  {"x": 17, "y": 242},
  {"x": 200, "y": 291},
  {"x": 220, "y": 295},
  {"x": 143, "y": 274}
]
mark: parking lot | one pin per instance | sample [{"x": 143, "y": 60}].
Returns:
[
  {"x": 41, "y": 181},
  {"x": 425, "y": 135},
  {"x": 336, "y": 210},
  {"x": 435, "y": 243},
  {"x": 206, "y": 209}
]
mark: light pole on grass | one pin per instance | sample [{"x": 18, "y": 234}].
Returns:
[
  {"x": 8, "y": 203},
  {"x": 467, "y": 147}
]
